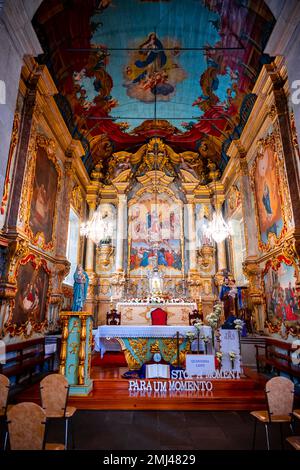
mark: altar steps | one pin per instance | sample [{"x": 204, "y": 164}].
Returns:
[{"x": 112, "y": 394}]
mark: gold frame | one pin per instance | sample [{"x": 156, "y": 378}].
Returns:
[
  {"x": 11, "y": 328},
  {"x": 41, "y": 141},
  {"x": 11, "y": 155},
  {"x": 274, "y": 263}
]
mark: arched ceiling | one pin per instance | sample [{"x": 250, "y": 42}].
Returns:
[{"x": 128, "y": 70}]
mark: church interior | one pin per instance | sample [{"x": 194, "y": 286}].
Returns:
[{"x": 150, "y": 224}]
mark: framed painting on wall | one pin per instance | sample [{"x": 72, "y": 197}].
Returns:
[
  {"x": 31, "y": 296},
  {"x": 42, "y": 185},
  {"x": 155, "y": 229},
  {"x": 266, "y": 185},
  {"x": 281, "y": 296},
  {"x": 43, "y": 199}
]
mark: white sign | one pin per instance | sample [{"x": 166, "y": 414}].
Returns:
[
  {"x": 229, "y": 341},
  {"x": 170, "y": 386},
  {"x": 230, "y": 345},
  {"x": 200, "y": 364}
]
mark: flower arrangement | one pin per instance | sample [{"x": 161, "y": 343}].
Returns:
[
  {"x": 214, "y": 317},
  {"x": 219, "y": 356},
  {"x": 238, "y": 325},
  {"x": 213, "y": 321},
  {"x": 232, "y": 356},
  {"x": 205, "y": 340},
  {"x": 198, "y": 325}
]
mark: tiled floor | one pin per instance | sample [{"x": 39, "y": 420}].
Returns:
[{"x": 165, "y": 430}]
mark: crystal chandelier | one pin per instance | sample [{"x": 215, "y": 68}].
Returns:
[
  {"x": 218, "y": 229},
  {"x": 99, "y": 228}
]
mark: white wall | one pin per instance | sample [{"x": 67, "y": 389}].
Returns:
[
  {"x": 17, "y": 38},
  {"x": 285, "y": 41}
]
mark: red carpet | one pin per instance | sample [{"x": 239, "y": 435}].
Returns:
[{"x": 110, "y": 359}]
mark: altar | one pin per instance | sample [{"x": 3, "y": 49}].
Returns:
[
  {"x": 136, "y": 342},
  {"x": 139, "y": 313}
]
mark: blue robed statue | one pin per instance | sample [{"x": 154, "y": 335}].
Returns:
[{"x": 80, "y": 288}]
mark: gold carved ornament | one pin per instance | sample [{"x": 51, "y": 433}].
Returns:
[
  {"x": 13, "y": 145},
  {"x": 30, "y": 326},
  {"x": 82, "y": 352},
  {"x": 77, "y": 200},
  {"x": 64, "y": 342},
  {"x": 156, "y": 155}
]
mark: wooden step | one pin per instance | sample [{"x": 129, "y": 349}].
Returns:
[{"x": 110, "y": 392}]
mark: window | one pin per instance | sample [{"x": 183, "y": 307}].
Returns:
[
  {"x": 72, "y": 245},
  {"x": 239, "y": 250},
  {"x": 2, "y": 92}
]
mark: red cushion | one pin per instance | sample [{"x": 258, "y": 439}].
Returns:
[{"x": 159, "y": 317}]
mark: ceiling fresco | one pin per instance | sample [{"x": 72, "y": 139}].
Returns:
[{"x": 129, "y": 70}]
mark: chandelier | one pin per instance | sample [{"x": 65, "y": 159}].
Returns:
[
  {"x": 99, "y": 228},
  {"x": 217, "y": 228}
]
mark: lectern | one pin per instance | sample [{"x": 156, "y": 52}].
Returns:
[{"x": 76, "y": 350}]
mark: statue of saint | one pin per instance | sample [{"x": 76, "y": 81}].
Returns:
[
  {"x": 225, "y": 298},
  {"x": 81, "y": 283}
]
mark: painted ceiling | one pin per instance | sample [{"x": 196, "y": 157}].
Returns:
[{"x": 129, "y": 70}]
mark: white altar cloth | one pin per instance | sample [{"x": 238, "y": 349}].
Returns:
[{"x": 107, "y": 334}]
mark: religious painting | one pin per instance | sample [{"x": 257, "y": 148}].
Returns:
[
  {"x": 153, "y": 70},
  {"x": 266, "y": 186},
  {"x": 234, "y": 200},
  {"x": 43, "y": 200},
  {"x": 281, "y": 297},
  {"x": 31, "y": 297},
  {"x": 155, "y": 234}
]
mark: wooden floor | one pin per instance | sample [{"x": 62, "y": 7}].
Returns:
[{"x": 110, "y": 392}]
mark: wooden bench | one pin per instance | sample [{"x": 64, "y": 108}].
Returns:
[
  {"x": 277, "y": 354},
  {"x": 23, "y": 358}
]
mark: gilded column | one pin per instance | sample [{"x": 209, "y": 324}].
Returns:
[
  {"x": 82, "y": 350},
  {"x": 247, "y": 203},
  {"x": 121, "y": 231},
  {"x": 64, "y": 339},
  {"x": 76, "y": 351},
  {"x": 191, "y": 235}
]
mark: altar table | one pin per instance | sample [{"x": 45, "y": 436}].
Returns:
[
  {"x": 139, "y": 313},
  {"x": 136, "y": 341}
]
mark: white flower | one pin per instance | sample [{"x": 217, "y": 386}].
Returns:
[
  {"x": 205, "y": 338},
  {"x": 219, "y": 356},
  {"x": 190, "y": 335},
  {"x": 198, "y": 324},
  {"x": 238, "y": 324}
]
